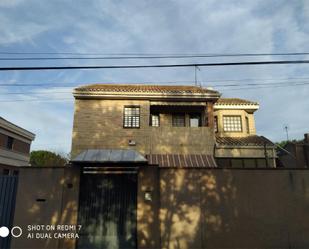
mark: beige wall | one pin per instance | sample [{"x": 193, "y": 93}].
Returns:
[
  {"x": 190, "y": 208},
  {"x": 244, "y": 152},
  {"x": 234, "y": 208},
  {"x": 60, "y": 206},
  {"x": 235, "y": 112},
  {"x": 98, "y": 124}
]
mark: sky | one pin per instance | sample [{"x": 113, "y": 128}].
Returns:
[{"x": 45, "y": 106}]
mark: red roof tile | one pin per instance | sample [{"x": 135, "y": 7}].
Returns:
[
  {"x": 145, "y": 88},
  {"x": 235, "y": 101}
]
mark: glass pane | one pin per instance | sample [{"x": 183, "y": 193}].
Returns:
[
  {"x": 232, "y": 123},
  {"x": 155, "y": 120},
  {"x": 179, "y": 120}
]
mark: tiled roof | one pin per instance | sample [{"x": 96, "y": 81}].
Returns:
[
  {"x": 253, "y": 140},
  {"x": 235, "y": 101},
  {"x": 182, "y": 161},
  {"x": 145, "y": 88}
]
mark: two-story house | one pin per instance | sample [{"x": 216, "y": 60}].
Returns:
[
  {"x": 15, "y": 144},
  {"x": 155, "y": 121},
  {"x": 147, "y": 160},
  {"x": 237, "y": 144}
]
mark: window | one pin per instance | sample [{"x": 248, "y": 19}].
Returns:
[
  {"x": 232, "y": 123},
  {"x": 9, "y": 144},
  {"x": 247, "y": 125},
  {"x": 216, "y": 124},
  {"x": 131, "y": 117},
  {"x": 178, "y": 120},
  {"x": 195, "y": 120},
  {"x": 155, "y": 120}
]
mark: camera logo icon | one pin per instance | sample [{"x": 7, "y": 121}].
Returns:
[{"x": 15, "y": 232}]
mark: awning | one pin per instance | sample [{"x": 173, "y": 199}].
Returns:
[
  {"x": 109, "y": 156},
  {"x": 182, "y": 161}
]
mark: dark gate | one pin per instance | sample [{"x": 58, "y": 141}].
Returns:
[
  {"x": 8, "y": 188},
  {"x": 107, "y": 211}
]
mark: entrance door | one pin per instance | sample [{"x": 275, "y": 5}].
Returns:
[{"x": 107, "y": 211}]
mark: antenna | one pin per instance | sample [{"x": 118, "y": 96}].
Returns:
[
  {"x": 195, "y": 76},
  {"x": 286, "y": 128}
]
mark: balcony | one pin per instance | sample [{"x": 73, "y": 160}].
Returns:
[{"x": 181, "y": 140}]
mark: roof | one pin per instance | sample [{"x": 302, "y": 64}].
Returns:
[
  {"x": 7, "y": 125},
  {"x": 144, "y": 88},
  {"x": 182, "y": 161},
  {"x": 252, "y": 140},
  {"x": 146, "y": 92},
  {"x": 109, "y": 156},
  {"x": 235, "y": 101}
]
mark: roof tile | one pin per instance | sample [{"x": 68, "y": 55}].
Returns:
[
  {"x": 252, "y": 140},
  {"x": 144, "y": 88}
]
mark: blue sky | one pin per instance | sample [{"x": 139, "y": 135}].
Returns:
[{"x": 136, "y": 26}]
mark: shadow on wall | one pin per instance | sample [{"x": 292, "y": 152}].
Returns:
[
  {"x": 45, "y": 196},
  {"x": 98, "y": 124},
  {"x": 191, "y": 202}
]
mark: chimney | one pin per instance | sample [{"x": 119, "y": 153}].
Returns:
[{"x": 306, "y": 140}]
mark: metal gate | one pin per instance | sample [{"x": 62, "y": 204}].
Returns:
[
  {"x": 107, "y": 211},
  {"x": 8, "y": 189}
]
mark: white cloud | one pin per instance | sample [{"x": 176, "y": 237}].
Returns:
[{"x": 156, "y": 27}]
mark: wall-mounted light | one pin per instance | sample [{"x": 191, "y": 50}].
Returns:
[
  {"x": 132, "y": 142},
  {"x": 148, "y": 196}
]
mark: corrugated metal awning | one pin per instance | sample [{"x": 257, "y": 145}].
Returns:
[
  {"x": 109, "y": 156},
  {"x": 182, "y": 161}
]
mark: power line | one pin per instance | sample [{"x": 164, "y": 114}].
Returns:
[
  {"x": 76, "y": 84},
  {"x": 247, "y": 63},
  {"x": 148, "y": 57},
  {"x": 65, "y": 99},
  {"x": 161, "y": 54}
]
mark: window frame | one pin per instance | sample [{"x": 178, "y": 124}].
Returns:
[
  {"x": 151, "y": 121},
  {"x": 216, "y": 130},
  {"x": 9, "y": 143},
  {"x": 247, "y": 125},
  {"x": 178, "y": 114},
  {"x": 232, "y": 116},
  {"x": 131, "y": 122},
  {"x": 191, "y": 115}
]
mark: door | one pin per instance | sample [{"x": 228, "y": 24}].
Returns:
[{"x": 107, "y": 211}]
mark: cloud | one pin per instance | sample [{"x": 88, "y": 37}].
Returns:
[{"x": 180, "y": 26}]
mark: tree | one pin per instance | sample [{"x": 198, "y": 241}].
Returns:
[{"x": 46, "y": 158}]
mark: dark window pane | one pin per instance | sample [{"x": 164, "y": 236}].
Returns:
[
  {"x": 10, "y": 142},
  {"x": 178, "y": 120},
  {"x": 237, "y": 163}
]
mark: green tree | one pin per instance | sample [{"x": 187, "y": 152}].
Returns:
[{"x": 46, "y": 158}]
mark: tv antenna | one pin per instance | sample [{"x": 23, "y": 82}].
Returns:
[
  {"x": 195, "y": 74},
  {"x": 286, "y": 128}
]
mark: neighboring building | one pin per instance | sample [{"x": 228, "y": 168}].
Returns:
[
  {"x": 295, "y": 154},
  {"x": 237, "y": 144},
  {"x": 15, "y": 144},
  {"x": 153, "y": 120}
]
